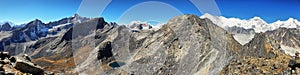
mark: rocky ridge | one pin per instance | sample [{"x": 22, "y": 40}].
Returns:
[{"x": 186, "y": 44}]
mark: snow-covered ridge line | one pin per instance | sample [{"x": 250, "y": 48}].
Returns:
[{"x": 256, "y": 23}]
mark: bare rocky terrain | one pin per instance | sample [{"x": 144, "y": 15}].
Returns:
[{"x": 185, "y": 45}]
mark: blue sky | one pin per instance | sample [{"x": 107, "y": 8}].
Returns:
[
  {"x": 23, "y": 11},
  {"x": 269, "y": 10}
]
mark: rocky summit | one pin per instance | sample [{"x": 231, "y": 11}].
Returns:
[{"x": 185, "y": 45}]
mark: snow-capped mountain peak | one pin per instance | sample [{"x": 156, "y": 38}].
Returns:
[
  {"x": 256, "y": 23},
  {"x": 256, "y": 18},
  {"x": 206, "y": 15},
  {"x": 139, "y": 25},
  {"x": 76, "y": 18}
]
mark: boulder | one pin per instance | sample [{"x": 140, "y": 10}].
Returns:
[{"x": 27, "y": 67}]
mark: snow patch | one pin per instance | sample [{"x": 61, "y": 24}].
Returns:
[
  {"x": 289, "y": 50},
  {"x": 58, "y": 26}
]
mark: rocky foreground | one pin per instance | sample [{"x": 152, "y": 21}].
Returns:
[
  {"x": 185, "y": 45},
  {"x": 14, "y": 65}
]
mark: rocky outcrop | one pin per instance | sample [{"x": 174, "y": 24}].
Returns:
[
  {"x": 28, "y": 68},
  {"x": 18, "y": 65}
]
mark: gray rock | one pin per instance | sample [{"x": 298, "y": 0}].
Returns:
[{"x": 27, "y": 67}]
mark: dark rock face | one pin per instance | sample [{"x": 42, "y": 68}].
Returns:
[
  {"x": 239, "y": 30},
  {"x": 5, "y": 27},
  {"x": 105, "y": 51}
]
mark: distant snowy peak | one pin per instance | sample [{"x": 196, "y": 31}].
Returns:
[
  {"x": 290, "y": 23},
  {"x": 139, "y": 25},
  {"x": 256, "y": 23},
  {"x": 76, "y": 18}
]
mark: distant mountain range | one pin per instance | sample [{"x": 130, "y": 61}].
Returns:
[
  {"x": 285, "y": 32},
  {"x": 255, "y": 23},
  {"x": 185, "y": 45}
]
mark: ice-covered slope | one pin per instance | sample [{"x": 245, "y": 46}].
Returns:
[{"x": 256, "y": 23}]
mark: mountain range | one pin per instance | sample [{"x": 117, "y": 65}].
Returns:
[
  {"x": 186, "y": 44},
  {"x": 255, "y": 23}
]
